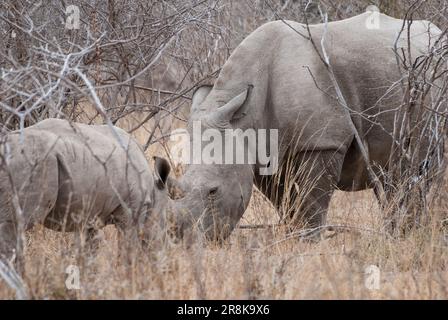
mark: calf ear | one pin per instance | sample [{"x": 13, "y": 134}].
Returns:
[
  {"x": 161, "y": 170},
  {"x": 199, "y": 96}
]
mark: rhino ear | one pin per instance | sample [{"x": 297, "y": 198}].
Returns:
[
  {"x": 161, "y": 170},
  {"x": 234, "y": 109},
  {"x": 199, "y": 96}
]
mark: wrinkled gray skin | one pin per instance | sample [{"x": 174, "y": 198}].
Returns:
[
  {"x": 76, "y": 177},
  {"x": 280, "y": 65}
]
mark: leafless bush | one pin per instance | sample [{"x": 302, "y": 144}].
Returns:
[
  {"x": 53, "y": 67},
  {"x": 417, "y": 156}
]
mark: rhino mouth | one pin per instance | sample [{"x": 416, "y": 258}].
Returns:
[
  {"x": 207, "y": 208},
  {"x": 194, "y": 210}
]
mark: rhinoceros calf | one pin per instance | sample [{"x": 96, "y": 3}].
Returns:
[
  {"x": 275, "y": 79},
  {"x": 71, "y": 176}
]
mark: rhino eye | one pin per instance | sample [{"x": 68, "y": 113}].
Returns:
[{"x": 213, "y": 191}]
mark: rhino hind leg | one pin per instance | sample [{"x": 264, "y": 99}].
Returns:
[
  {"x": 92, "y": 241},
  {"x": 311, "y": 191}
]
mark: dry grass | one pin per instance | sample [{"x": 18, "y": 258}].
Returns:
[{"x": 254, "y": 264}]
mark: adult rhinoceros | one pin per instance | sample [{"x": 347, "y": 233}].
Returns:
[
  {"x": 71, "y": 176},
  {"x": 275, "y": 79}
]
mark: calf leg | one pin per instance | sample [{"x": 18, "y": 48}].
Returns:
[
  {"x": 127, "y": 246},
  {"x": 141, "y": 232},
  {"x": 120, "y": 219}
]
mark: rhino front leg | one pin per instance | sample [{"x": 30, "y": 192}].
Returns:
[{"x": 311, "y": 191}]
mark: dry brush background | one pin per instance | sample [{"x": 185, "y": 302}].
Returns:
[{"x": 136, "y": 64}]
